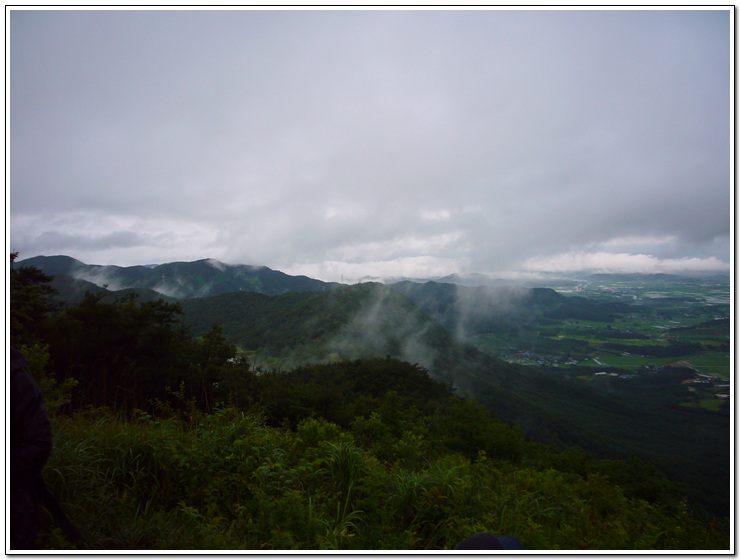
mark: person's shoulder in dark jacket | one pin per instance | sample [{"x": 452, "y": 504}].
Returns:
[{"x": 30, "y": 429}]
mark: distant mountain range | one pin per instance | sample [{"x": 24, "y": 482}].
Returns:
[
  {"x": 180, "y": 280},
  {"x": 209, "y": 277}
]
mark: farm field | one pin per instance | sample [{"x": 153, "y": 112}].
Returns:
[
  {"x": 659, "y": 324},
  {"x": 661, "y": 350}
]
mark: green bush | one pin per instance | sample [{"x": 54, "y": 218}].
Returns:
[{"x": 232, "y": 482}]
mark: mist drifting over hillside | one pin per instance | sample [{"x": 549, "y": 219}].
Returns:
[{"x": 387, "y": 325}]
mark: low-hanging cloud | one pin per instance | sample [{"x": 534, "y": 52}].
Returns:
[
  {"x": 602, "y": 262},
  {"x": 371, "y": 143},
  {"x": 385, "y": 326}
]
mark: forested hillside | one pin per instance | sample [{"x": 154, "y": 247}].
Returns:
[
  {"x": 511, "y": 313},
  {"x": 364, "y": 320},
  {"x": 614, "y": 418},
  {"x": 167, "y": 440},
  {"x": 178, "y": 279}
]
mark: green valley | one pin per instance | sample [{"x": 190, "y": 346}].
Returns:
[{"x": 356, "y": 356}]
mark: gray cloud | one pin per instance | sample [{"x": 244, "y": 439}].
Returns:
[
  {"x": 360, "y": 141},
  {"x": 116, "y": 239}
]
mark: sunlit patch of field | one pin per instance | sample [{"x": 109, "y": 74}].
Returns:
[
  {"x": 712, "y": 363},
  {"x": 707, "y": 404}
]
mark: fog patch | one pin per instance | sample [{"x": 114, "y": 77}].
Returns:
[
  {"x": 102, "y": 277},
  {"x": 171, "y": 289},
  {"x": 180, "y": 288},
  {"x": 218, "y": 265},
  {"x": 464, "y": 310},
  {"x": 474, "y": 306},
  {"x": 387, "y": 325}
]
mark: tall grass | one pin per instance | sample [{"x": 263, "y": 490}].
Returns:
[{"x": 228, "y": 482}]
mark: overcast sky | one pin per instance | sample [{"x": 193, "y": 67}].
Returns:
[{"x": 380, "y": 143}]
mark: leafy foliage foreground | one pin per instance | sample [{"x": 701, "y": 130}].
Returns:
[{"x": 229, "y": 481}]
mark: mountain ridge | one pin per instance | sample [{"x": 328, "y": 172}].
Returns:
[
  {"x": 180, "y": 280},
  {"x": 208, "y": 276}
]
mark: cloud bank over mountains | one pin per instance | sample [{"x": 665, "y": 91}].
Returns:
[{"x": 374, "y": 143}]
